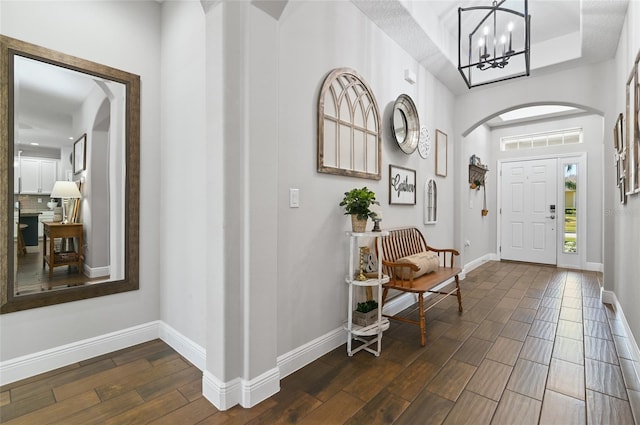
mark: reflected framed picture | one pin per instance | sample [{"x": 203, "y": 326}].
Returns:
[
  {"x": 441, "y": 153},
  {"x": 402, "y": 186},
  {"x": 632, "y": 127},
  {"x": 623, "y": 191},
  {"x": 618, "y": 134},
  {"x": 80, "y": 154},
  {"x": 636, "y": 122}
]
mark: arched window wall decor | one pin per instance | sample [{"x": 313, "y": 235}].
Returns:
[
  {"x": 430, "y": 202},
  {"x": 349, "y": 136}
]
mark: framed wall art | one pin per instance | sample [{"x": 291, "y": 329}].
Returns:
[
  {"x": 349, "y": 134},
  {"x": 80, "y": 154},
  {"x": 430, "y": 202},
  {"x": 618, "y": 134},
  {"x": 402, "y": 186},
  {"x": 441, "y": 153},
  {"x": 619, "y": 154},
  {"x": 632, "y": 157}
]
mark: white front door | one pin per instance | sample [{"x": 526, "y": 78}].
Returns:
[{"x": 529, "y": 217}]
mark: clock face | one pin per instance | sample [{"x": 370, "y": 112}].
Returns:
[{"x": 424, "y": 144}]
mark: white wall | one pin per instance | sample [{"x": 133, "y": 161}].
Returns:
[
  {"x": 183, "y": 161},
  {"x": 314, "y": 38},
  {"x": 592, "y": 145},
  {"x": 626, "y": 219},
  {"x": 478, "y": 230},
  {"x": 123, "y": 35}
]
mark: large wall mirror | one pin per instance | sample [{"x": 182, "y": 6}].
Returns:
[{"x": 69, "y": 143}]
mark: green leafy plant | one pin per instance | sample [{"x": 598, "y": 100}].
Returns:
[
  {"x": 358, "y": 201},
  {"x": 367, "y": 306}
]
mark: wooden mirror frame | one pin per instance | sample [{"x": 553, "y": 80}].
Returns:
[{"x": 9, "y": 302}]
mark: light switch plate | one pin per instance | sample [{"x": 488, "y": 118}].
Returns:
[{"x": 294, "y": 198}]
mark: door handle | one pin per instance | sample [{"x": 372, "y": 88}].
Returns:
[{"x": 552, "y": 217}]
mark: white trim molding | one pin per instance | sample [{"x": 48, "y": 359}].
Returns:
[
  {"x": 609, "y": 297},
  {"x": 472, "y": 265},
  {"x": 225, "y": 395},
  {"x": 312, "y": 350},
  {"x": 43, "y": 361},
  {"x": 188, "y": 349},
  {"x": 594, "y": 267},
  {"x": 94, "y": 272},
  {"x": 624, "y": 343}
]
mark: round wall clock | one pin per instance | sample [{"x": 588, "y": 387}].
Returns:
[{"x": 424, "y": 143}]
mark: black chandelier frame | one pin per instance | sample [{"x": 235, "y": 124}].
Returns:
[{"x": 484, "y": 62}]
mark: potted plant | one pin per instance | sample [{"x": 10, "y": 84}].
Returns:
[
  {"x": 356, "y": 203},
  {"x": 366, "y": 313}
]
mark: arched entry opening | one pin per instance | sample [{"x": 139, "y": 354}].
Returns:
[
  {"x": 552, "y": 217},
  {"x": 96, "y": 188}
]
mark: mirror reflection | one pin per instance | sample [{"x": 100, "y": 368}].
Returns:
[
  {"x": 399, "y": 125},
  {"x": 405, "y": 125},
  {"x": 69, "y": 178}
]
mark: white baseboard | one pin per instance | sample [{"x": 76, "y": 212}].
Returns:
[
  {"x": 472, "y": 265},
  {"x": 93, "y": 272},
  {"x": 594, "y": 267},
  {"x": 188, "y": 349},
  {"x": 398, "y": 303},
  {"x": 609, "y": 297},
  {"x": 225, "y": 395},
  {"x": 43, "y": 361},
  {"x": 312, "y": 350},
  {"x": 222, "y": 395}
]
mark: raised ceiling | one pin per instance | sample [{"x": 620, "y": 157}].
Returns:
[{"x": 564, "y": 33}]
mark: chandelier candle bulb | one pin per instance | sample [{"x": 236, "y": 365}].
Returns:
[
  {"x": 486, "y": 41},
  {"x": 510, "y": 28}
]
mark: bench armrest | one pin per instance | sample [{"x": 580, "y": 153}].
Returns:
[
  {"x": 451, "y": 250},
  {"x": 443, "y": 253}
]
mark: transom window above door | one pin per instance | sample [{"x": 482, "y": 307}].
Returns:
[{"x": 541, "y": 140}]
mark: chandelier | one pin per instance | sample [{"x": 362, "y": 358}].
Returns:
[{"x": 495, "y": 45}]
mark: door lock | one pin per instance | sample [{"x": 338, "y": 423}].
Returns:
[{"x": 552, "y": 217}]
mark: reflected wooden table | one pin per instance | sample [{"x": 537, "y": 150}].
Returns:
[{"x": 56, "y": 230}]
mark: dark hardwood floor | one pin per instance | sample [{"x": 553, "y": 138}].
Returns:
[
  {"x": 533, "y": 346},
  {"x": 32, "y": 277}
]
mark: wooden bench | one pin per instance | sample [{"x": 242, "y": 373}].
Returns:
[{"x": 408, "y": 241}]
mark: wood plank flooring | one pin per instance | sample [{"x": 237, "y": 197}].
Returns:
[
  {"x": 533, "y": 346},
  {"x": 32, "y": 277}
]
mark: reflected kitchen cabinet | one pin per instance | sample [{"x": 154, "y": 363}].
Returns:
[{"x": 37, "y": 176}]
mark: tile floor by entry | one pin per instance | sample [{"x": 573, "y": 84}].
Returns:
[{"x": 533, "y": 346}]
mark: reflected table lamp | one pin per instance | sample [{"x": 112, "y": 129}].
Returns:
[{"x": 65, "y": 190}]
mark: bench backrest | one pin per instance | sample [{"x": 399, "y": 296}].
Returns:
[{"x": 402, "y": 242}]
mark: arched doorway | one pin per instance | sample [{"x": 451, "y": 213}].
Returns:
[{"x": 484, "y": 237}]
